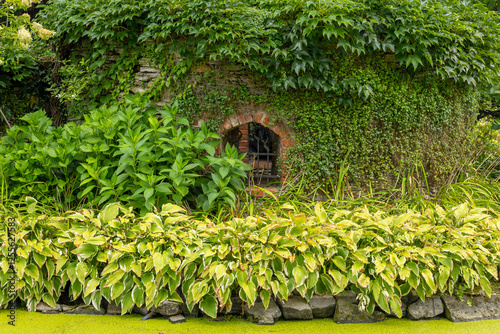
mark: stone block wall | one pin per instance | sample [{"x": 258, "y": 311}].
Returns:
[{"x": 342, "y": 308}]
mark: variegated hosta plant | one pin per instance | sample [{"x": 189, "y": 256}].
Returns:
[{"x": 167, "y": 255}]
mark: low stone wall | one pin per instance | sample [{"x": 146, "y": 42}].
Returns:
[{"x": 342, "y": 308}]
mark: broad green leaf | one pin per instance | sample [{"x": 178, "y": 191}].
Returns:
[
  {"x": 91, "y": 286},
  {"x": 429, "y": 279},
  {"x": 209, "y": 306},
  {"x": 116, "y": 290},
  {"x": 300, "y": 275},
  {"x": 86, "y": 250},
  {"x": 114, "y": 278}
]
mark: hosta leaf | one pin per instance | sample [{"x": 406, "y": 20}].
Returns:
[
  {"x": 99, "y": 240},
  {"x": 265, "y": 296},
  {"x": 300, "y": 275},
  {"x": 340, "y": 263},
  {"x": 91, "y": 286},
  {"x": 485, "y": 285},
  {"x": 429, "y": 279},
  {"x": 250, "y": 291},
  {"x": 136, "y": 268},
  {"x": 127, "y": 302},
  {"x": 96, "y": 299},
  {"x": 49, "y": 299},
  {"x": 32, "y": 271},
  {"x": 363, "y": 280},
  {"x": 209, "y": 305},
  {"x": 116, "y": 290},
  {"x": 112, "y": 267},
  {"x": 85, "y": 250},
  {"x": 108, "y": 213},
  {"x": 113, "y": 278},
  {"x": 39, "y": 259},
  {"x": 81, "y": 271},
  {"x": 220, "y": 271},
  {"x": 396, "y": 307},
  {"x": 159, "y": 261},
  {"x": 138, "y": 296}
]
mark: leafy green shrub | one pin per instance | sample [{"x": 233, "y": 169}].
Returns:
[
  {"x": 120, "y": 153},
  {"x": 145, "y": 260}
]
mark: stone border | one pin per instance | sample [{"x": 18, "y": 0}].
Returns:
[{"x": 342, "y": 308}]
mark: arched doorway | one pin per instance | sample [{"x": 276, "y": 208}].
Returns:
[{"x": 262, "y": 148}]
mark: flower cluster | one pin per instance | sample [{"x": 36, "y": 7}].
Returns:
[
  {"x": 24, "y": 37},
  {"x": 45, "y": 33},
  {"x": 42, "y": 32}
]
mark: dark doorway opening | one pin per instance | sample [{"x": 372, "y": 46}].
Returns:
[{"x": 261, "y": 145}]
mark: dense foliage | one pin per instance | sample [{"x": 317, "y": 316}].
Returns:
[
  {"x": 290, "y": 41},
  {"x": 119, "y": 153},
  {"x": 144, "y": 260},
  {"x": 21, "y": 47},
  {"x": 324, "y": 58}
]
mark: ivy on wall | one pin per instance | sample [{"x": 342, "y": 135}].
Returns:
[{"x": 323, "y": 61}]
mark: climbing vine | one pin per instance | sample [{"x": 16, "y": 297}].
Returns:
[{"x": 391, "y": 82}]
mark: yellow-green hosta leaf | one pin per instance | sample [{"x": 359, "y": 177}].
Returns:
[
  {"x": 32, "y": 271},
  {"x": 60, "y": 263},
  {"x": 108, "y": 213},
  {"x": 136, "y": 268},
  {"x": 85, "y": 250},
  {"x": 138, "y": 296},
  {"x": 116, "y": 290},
  {"x": 127, "y": 302},
  {"x": 159, "y": 261},
  {"x": 49, "y": 299},
  {"x": 114, "y": 278},
  {"x": 265, "y": 296},
  {"x": 209, "y": 305},
  {"x": 220, "y": 271},
  {"x": 91, "y": 286},
  {"x": 250, "y": 291},
  {"x": 363, "y": 280},
  {"x": 300, "y": 275},
  {"x": 96, "y": 299},
  {"x": 81, "y": 271},
  {"x": 168, "y": 209},
  {"x": 356, "y": 267},
  {"x": 395, "y": 307},
  {"x": 337, "y": 276},
  {"x": 379, "y": 266},
  {"x": 39, "y": 259},
  {"x": 99, "y": 240},
  {"x": 320, "y": 213},
  {"x": 485, "y": 285},
  {"x": 310, "y": 261},
  {"x": 404, "y": 273},
  {"x": 460, "y": 211},
  {"x": 429, "y": 279},
  {"x": 340, "y": 263},
  {"x": 283, "y": 252}
]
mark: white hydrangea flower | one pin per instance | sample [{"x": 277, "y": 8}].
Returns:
[
  {"x": 25, "y": 2},
  {"x": 37, "y": 26},
  {"x": 1, "y": 61},
  {"x": 26, "y": 15},
  {"x": 24, "y": 35},
  {"x": 45, "y": 33}
]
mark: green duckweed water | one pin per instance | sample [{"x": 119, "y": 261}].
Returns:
[{"x": 37, "y": 323}]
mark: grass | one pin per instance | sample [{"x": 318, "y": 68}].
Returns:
[{"x": 34, "y": 322}]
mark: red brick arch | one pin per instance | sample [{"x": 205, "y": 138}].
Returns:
[{"x": 258, "y": 116}]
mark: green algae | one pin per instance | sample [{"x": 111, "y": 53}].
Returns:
[{"x": 37, "y": 323}]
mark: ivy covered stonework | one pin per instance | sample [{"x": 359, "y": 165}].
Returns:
[{"x": 388, "y": 84}]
